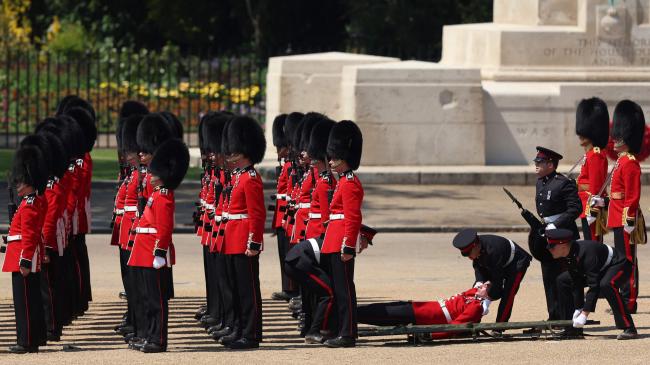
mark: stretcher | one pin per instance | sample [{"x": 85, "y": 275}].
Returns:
[{"x": 420, "y": 333}]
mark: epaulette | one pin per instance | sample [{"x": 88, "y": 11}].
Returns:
[
  {"x": 71, "y": 167},
  {"x": 30, "y": 199},
  {"x": 50, "y": 184},
  {"x": 349, "y": 175},
  {"x": 596, "y": 149},
  {"x": 252, "y": 172},
  {"x": 79, "y": 162},
  {"x": 164, "y": 191}
]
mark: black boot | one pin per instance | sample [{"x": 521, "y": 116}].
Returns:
[
  {"x": 244, "y": 343},
  {"x": 19, "y": 349},
  {"x": 341, "y": 341},
  {"x": 232, "y": 337},
  {"x": 628, "y": 334},
  {"x": 150, "y": 348},
  {"x": 221, "y": 333}
]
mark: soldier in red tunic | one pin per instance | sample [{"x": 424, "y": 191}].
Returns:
[
  {"x": 625, "y": 217},
  {"x": 319, "y": 209},
  {"x": 465, "y": 307},
  {"x": 243, "y": 145},
  {"x": 153, "y": 250},
  {"x": 341, "y": 237},
  {"x": 592, "y": 128},
  {"x": 25, "y": 247}
]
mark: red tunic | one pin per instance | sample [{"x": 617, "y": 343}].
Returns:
[
  {"x": 464, "y": 307},
  {"x": 71, "y": 202},
  {"x": 303, "y": 204},
  {"x": 592, "y": 177},
  {"x": 293, "y": 192},
  {"x": 345, "y": 216},
  {"x": 158, "y": 221},
  {"x": 65, "y": 184},
  {"x": 130, "y": 207},
  {"x": 147, "y": 190},
  {"x": 218, "y": 213},
  {"x": 118, "y": 209},
  {"x": 247, "y": 199},
  {"x": 53, "y": 232},
  {"x": 25, "y": 246},
  {"x": 281, "y": 196},
  {"x": 625, "y": 192},
  {"x": 208, "y": 210},
  {"x": 202, "y": 193},
  {"x": 319, "y": 211},
  {"x": 83, "y": 203}
]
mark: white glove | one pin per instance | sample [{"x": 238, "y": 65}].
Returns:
[
  {"x": 628, "y": 229},
  {"x": 577, "y": 313},
  {"x": 550, "y": 226},
  {"x": 580, "y": 321},
  {"x": 158, "y": 262},
  {"x": 486, "y": 306},
  {"x": 597, "y": 201},
  {"x": 478, "y": 284},
  {"x": 590, "y": 220}
]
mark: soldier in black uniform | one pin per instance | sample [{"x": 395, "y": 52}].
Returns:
[
  {"x": 600, "y": 268},
  {"x": 559, "y": 205},
  {"x": 498, "y": 260}
]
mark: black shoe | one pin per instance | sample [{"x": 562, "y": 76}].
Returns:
[
  {"x": 568, "y": 334},
  {"x": 296, "y": 314},
  {"x": 228, "y": 339},
  {"x": 628, "y": 334},
  {"x": 136, "y": 343},
  {"x": 215, "y": 328},
  {"x": 295, "y": 305},
  {"x": 54, "y": 336},
  {"x": 341, "y": 341},
  {"x": 125, "y": 330},
  {"x": 295, "y": 300},
  {"x": 221, "y": 333},
  {"x": 203, "y": 310},
  {"x": 207, "y": 321},
  {"x": 150, "y": 348},
  {"x": 122, "y": 295},
  {"x": 282, "y": 295},
  {"x": 243, "y": 343},
  {"x": 314, "y": 338},
  {"x": 19, "y": 349}
]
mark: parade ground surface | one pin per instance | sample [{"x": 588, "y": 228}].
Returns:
[{"x": 421, "y": 266}]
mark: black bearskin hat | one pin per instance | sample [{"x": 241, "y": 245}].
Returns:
[
  {"x": 309, "y": 121},
  {"x": 345, "y": 143},
  {"x": 291, "y": 124},
  {"x": 130, "y": 132},
  {"x": 79, "y": 146},
  {"x": 212, "y": 130},
  {"x": 72, "y": 101},
  {"x": 592, "y": 121},
  {"x": 39, "y": 141},
  {"x": 131, "y": 107},
  {"x": 152, "y": 131},
  {"x": 30, "y": 168},
  {"x": 629, "y": 125},
  {"x": 279, "y": 139},
  {"x": 175, "y": 124},
  {"x": 59, "y": 153},
  {"x": 244, "y": 135},
  {"x": 57, "y": 128},
  {"x": 85, "y": 122},
  {"x": 170, "y": 162},
  {"x": 317, "y": 149}
]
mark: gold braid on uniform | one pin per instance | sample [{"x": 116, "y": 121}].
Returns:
[
  {"x": 601, "y": 222},
  {"x": 639, "y": 236}
]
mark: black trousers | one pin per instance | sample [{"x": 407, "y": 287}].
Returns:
[
  {"x": 288, "y": 286},
  {"x": 80, "y": 304},
  {"x": 345, "y": 295},
  {"x": 559, "y": 306},
  {"x": 155, "y": 302},
  {"x": 588, "y": 233},
  {"x": 386, "y": 314},
  {"x": 84, "y": 267},
  {"x": 51, "y": 293},
  {"x": 511, "y": 284},
  {"x": 244, "y": 277},
  {"x": 206, "y": 275},
  {"x": 317, "y": 296},
  {"x": 127, "y": 282},
  {"x": 630, "y": 287},
  {"x": 70, "y": 287},
  {"x": 215, "y": 302},
  {"x": 31, "y": 329},
  {"x": 137, "y": 299},
  {"x": 225, "y": 288}
]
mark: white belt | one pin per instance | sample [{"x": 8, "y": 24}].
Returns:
[
  {"x": 202, "y": 202},
  {"x": 281, "y": 196},
  {"x": 552, "y": 218},
  {"x": 335, "y": 217},
  {"x": 512, "y": 253},
  {"x": 445, "y": 311},
  {"x": 119, "y": 211},
  {"x": 130, "y": 208},
  {"x": 217, "y": 219},
  {"x": 314, "y": 245},
  {"x": 235, "y": 217},
  {"x": 15, "y": 237},
  {"x": 146, "y": 230},
  {"x": 303, "y": 205},
  {"x": 314, "y": 215},
  {"x": 610, "y": 254},
  {"x": 209, "y": 206}
]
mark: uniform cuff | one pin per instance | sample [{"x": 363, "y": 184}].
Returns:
[
  {"x": 348, "y": 250},
  {"x": 255, "y": 246},
  {"x": 159, "y": 252},
  {"x": 27, "y": 264}
]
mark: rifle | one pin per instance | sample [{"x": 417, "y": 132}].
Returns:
[{"x": 536, "y": 240}]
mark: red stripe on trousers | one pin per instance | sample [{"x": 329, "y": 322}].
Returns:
[
  {"x": 29, "y": 335},
  {"x": 621, "y": 308},
  {"x": 162, "y": 311},
  {"x": 49, "y": 289},
  {"x": 347, "y": 286},
  {"x": 511, "y": 296},
  {"x": 329, "y": 302},
  {"x": 250, "y": 266}
]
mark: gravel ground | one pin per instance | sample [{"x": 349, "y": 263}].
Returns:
[{"x": 420, "y": 266}]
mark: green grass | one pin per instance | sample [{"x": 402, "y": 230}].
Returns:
[{"x": 105, "y": 165}]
